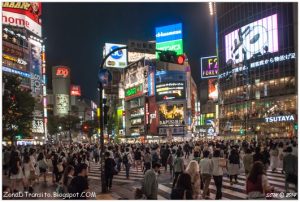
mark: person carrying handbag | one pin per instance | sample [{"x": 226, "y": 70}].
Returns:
[{"x": 183, "y": 188}]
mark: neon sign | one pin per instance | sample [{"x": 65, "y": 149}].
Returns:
[
  {"x": 75, "y": 90},
  {"x": 280, "y": 119},
  {"x": 134, "y": 90},
  {"x": 62, "y": 71},
  {"x": 209, "y": 67}
]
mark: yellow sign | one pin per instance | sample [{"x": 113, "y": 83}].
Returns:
[{"x": 18, "y": 5}]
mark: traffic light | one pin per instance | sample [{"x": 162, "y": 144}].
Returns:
[
  {"x": 296, "y": 126},
  {"x": 171, "y": 57}
]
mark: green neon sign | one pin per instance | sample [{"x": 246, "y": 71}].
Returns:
[
  {"x": 176, "y": 45},
  {"x": 133, "y": 90}
]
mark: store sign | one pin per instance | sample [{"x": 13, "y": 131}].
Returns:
[
  {"x": 38, "y": 125},
  {"x": 171, "y": 130},
  {"x": 137, "y": 112},
  {"x": 280, "y": 119},
  {"x": 14, "y": 71},
  {"x": 16, "y": 60},
  {"x": 209, "y": 67},
  {"x": 176, "y": 46},
  {"x": 36, "y": 84},
  {"x": 260, "y": 63},
  {"x": 147, "y": 113},
  {"x": 170, "y": 90},
  {"x": 75, "y": 90},
  {"x": 141, "y": 47},
  {"x": 135, "y": 56},
  {"x": 252, "y": 40},
  {"x": 62, "y": 72},
  {"x": 21, "y": 20},
  {"x": 62, "y": 104},
  {"x": 171, "y": 114},
  {"x": 213, "y": 89},
  {"x": 168, "y": 33},
  {"x": 134, "y": 91},
  {"x": 117, "y": 59}
]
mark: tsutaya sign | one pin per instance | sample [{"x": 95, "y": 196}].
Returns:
[{"x": 280, "y": 118}]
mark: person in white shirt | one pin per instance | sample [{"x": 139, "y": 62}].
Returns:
[
  {"x": 206, "y": 167},
  {"x": 127, "y": 161}
]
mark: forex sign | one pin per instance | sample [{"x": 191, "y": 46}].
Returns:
[
  {"x": 170, "y": 91},
  {"x": 171, "y": 114},
  {"x": 209, "y": 67},
  {"x": 252, "y": 40}
]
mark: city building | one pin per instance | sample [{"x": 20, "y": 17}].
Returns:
[
  {"x": 258, "y": 75},
  {"x": 23, "y": 54}
]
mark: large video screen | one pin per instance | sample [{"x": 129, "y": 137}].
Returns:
[
  {"x": 252, "y": 40},
  {"x": 171, "y": 114},
  {"x": 170, "y": 90}
]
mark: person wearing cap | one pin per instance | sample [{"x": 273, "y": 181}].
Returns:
[{"x": 150, "y": 185}]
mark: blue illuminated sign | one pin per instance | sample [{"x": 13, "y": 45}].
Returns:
[
  {"x": 14, "y": 71},
  {"x": 116, "y": 55},
  {"x": 168, "y": 33}
]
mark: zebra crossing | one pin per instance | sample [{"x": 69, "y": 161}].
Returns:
[
  {"x": 229, "y": 192},
  {"x": 134, "y": 176}
]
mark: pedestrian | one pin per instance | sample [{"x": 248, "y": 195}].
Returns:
[
  {"x": 257, "y": 156},
  {"x": 218, "y": 165},
  {"x": 57, "y": 168},
  {"x": 186, "y": 148},
  {"x": 165, "y": 152},
  {"x": 178, "y": 167},
  {"x": 193, "y": 170},
  {"x": 248, "y": 161},
  {"x": 79, "y": 184},
  {"x": 274, "y": 153},
  {"x": 118, "y": 159},
  {"x": 290, "y": 168},
  {"x": 295, "y": 149},
  {"x": 233, "y": 165},
  {"x": 206, "y": 168},
  {"x": 147, "y": 160},
  {"x": 150, "y": 184},
  {"x": 197, "y": 153},
  {"x": 266, "y": 158},
  {"x": 109, "y": 170},
  {"x": 257, "y": 184},
  {"x": 16, "y": 172},
  {"x": 42, "y": 165},
  {"x": 127, "y": 161},
  {"x": 138, "y": 159},
  {"x": 6, "y": 157},
  {"x": 183, "y": 189},
  {"x": 67, "y": 177}
]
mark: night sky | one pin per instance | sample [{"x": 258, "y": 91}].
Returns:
[{"x": 76, "y": 33}]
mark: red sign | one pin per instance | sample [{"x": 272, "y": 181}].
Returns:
[
  {"x": 75, "y": 90},
  {"x": 62, "y": 71}
]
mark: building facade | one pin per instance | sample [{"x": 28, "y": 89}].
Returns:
[{"x": 257, "y": 76}]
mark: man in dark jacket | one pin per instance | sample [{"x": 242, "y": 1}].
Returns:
[
  {"x": 290, "y": 167},
  {"x": 109, "y": 170}
]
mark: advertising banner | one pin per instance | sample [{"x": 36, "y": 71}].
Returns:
[
  {"x": 171, "y": 114},
  {"x": 213, "y": 89},
  {"x": 209, "y": 67},
  {"x": 170, "y": 91},
  {"x": 176, "y": 46},
  {"x": 23, "y": 14},
  {"x": 136, "y": 74},
  {"x": 75, "y": 90},
  {"x": 62, "y": 103},
  {"x": 168, "y": 33},
  {"x": 135, "y": 56},
  {"x": 134, "y": 92},
  {"x": 117, "y": 59},
  {"x": 252, "y": 40}
]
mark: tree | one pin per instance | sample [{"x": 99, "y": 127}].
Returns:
[{"x": 18, "y": 107}]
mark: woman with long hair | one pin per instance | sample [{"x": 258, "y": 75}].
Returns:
[
  {"x": 233, "y": 165},
  {"x": 183, "y": 188},
  {"x": 257, "y": 184},
  {"x": 16, "y": 172},
  {"x": 193, "y": 170}
]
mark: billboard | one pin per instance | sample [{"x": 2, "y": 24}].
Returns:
[
  {"x": 135, "y": 56},
  {"x": 170, "y": 90},
  {"x": 23, "y": 14},
  {"x": 136, "y": 74},
  {"x": 62, "y": 72},
  {"x": 213, "y": 89},
  {"x": 75, "y": 90},
  {"x": 252, "y": 40},
  {"x": 169, "y": 38},
  {"x": 171, "y": 114},
  {"x": 209, "y": 67},
  {"x": 118, "y": 59},
  {"x": 62, "y": 103},
  {"x": 168, "y": 33},
  {"x": 133, "y": 92}
]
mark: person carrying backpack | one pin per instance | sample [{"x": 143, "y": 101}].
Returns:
[{"x": 127, "y": 161}]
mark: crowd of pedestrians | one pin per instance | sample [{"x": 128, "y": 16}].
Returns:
[{"x": 192, "y": 165}]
